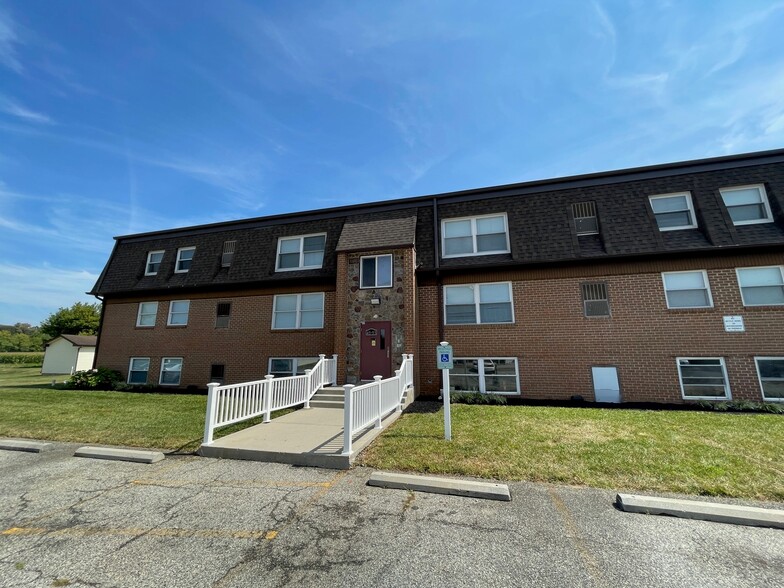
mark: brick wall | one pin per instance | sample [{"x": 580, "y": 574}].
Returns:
[
  {"x": 244, "y": 347},
  {"x": 556, "y": 345}
]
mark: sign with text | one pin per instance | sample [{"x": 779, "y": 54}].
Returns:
[
  {"x": 444, "y": 357},
  {"x": 734, "y": 324}
]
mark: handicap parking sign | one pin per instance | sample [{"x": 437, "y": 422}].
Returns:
[{"x": 444, "y": 357}]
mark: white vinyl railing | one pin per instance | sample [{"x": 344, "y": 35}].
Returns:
[
  {"x": 368, "y": 404},
  {"x": 234, "y": 403}
]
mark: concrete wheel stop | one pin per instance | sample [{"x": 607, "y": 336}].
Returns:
[
  {"x": 733, "y": 514},
  {"x": 118, "y": 454},
  {"x": 455, "y": 487},
  {"x": 27, "y": 445}
]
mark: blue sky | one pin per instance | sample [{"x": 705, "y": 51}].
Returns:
[{"x": 124, "y": 117}]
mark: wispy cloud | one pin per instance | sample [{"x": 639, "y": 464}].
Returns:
[
  {"x": 8, "y": 42},
  {"x": 9, "y": 106}
]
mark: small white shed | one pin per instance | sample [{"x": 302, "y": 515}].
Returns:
[{"x": 69, "y": 353}]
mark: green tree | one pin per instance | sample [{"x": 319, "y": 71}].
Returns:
[{"x": 80, "y": 319}]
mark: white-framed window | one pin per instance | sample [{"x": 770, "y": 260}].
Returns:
[
  {"x": 475, "y": 235},
  {"x": 148, "y": 311},
  {"x": 229, "y": 247},
  {"x": 596, "y": 301},
  {"x": 302, "y": 252},
  {"x": 178, "y": 312},
  {"x": 171, "y": 370},
  {"x": 298, "y": 311},
  {"x": 703, "y": 378},
  {"x": 281, "y": 367},
  {"x": 687, "y": 289},
  {"x": 375, "y": 271},
  {"x": 488, "y": 375},
  {"x": 585, "y": 220},
  {"x": 222, "y": 315},
  {"x": 184, "y": 259},
  {"x": 471, "y": 304},
  {"x": 770, "y": 371},
  {"x": 674, "y": 212},
  {"x": 747, "y": 205},
  {"x": 138, "y": 369},
  {"x": 761, "y": 286},
  {"x": 153, "y": 265}
]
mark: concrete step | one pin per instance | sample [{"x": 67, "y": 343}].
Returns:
[
  {"x": 326, "y": 403},
  {"x": 328, "y": 396}
]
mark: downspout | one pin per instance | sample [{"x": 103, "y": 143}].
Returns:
[
  {"x": 100, "y": 330},
  {"x": 437, "y": 259}
]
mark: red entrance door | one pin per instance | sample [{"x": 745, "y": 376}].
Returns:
[{"x": 375, "y": 357}]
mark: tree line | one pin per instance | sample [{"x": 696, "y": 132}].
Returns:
[{"x": 80, "y": 318}]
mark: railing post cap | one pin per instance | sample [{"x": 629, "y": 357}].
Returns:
[
  {"x": 348, "y": 386},
  {"x": 213, "y": 384},
  {"x": 322, "y": 355},
  {"x": 269, "y": 376},
  {"x": 307, "y": 371},
  {"x": 377, "y": 378}
]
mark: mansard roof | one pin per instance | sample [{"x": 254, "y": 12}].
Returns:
[{"x": 539, "y": 217}]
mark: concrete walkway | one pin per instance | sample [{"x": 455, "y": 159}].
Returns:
[{"x": 308, "y": 437}]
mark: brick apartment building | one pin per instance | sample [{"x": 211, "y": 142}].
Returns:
[{"x": 661, "y": 284}]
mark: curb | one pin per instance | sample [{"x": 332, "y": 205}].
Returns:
[
  {"x": 469, "y": 488},
  {"x": 115, "y": 454},
  {"x": 25, "y": 445},
  {"x": 705, "y": 511}
]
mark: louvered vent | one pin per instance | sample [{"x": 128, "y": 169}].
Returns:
[
  {"x": 228, "y": 253},
  {"x": 595, "y": 300},
  {"x": 585, "y": 220}
]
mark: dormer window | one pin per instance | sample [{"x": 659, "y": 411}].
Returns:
[
  {"x": 154, "y": 259},
  {"x": 747, "y": 205},
  {"x": 228, "y": 253},
  {"x": 585, "y": 220},
  {"x": 184, "y": 259},
  {"x": 303, "y": 252},
  {"x": 673, "y": 212},
  {"x": 476, "y": 235}
]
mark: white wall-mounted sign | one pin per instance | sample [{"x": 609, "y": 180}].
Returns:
[{"x": 734, "y": 324}]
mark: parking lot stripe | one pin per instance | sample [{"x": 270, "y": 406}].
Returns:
[{"x": 133, "y": 532}]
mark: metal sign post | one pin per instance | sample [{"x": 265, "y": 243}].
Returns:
[{"x": 444, "y": 362}]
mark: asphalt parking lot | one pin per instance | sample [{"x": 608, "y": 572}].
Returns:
[{"x": 197, "y": 522}]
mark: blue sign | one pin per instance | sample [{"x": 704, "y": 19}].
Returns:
[{"x": 444, "y": 357}]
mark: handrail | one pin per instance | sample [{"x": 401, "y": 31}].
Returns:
[
  {"x": 368, "y": 404},
  {"x": 234, "y": 403}
]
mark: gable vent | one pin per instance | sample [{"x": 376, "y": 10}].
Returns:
[
  {"x": 585, "y": 220},
  {"x": 228, "y": 253}
]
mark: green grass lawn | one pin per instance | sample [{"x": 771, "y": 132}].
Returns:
[
  {"x": 31, "y": 408},
  {"x": 714, "y": 454}
]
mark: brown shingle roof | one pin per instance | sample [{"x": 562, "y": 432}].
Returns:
[
  {"x": 379, "y": 231},
  {"x": 81, "y": 340}
]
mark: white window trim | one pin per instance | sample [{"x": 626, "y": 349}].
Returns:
[
  {"x": 298, "y": 312},
  {"x": 727, "y": 390},
  {"x": 473, "y": 220},
  {"x": 130, "y": 365},
  {"x": 481, "y": 365},
  {"x": 759, "y": 377},
  {"x": 301, "y": 253},
  {"x": 169, "y": 317},
  {"x": 294, "y": 365},
  {"x": 765, "y": 203},
  {"x": 177, "y": 269},
  {"x": 139, "y": 315},
  {"x": 689, "y": 204},
  {"x": 707, "y": 287},
  {"x": 376, "y": 286},
  {"x": 737, "y": 277},
  {"x": 477, "y": 304},
  {"x": 163, "y": 362},
  {"x": 147, "y": 271}
]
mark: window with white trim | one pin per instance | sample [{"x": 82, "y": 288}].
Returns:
[
  {"x": 178, "y": 312},
  {"x": 674, "y": 212},
  {"x": 375, "y": 271},
  {"x": 488, "y": 375},
  {"x": 302, "y": 252},
  {"x": 471, "y": 304},
  {"x": 585, "y": 220},
  {"x": 770, "y": 371},
  {"x": 703, "y": 378},
  {"x": 476, "y": 235},
  {"x": 228, "y": 253},
  {"x": 761, "y": 286},
  {"x": 148, "y": 311},
  {"x": 282, "y": 367},
  {"x": 184, "y": 259},
  {"x": 222, "y": 314},
  {"x": 171, "y": 371},
  {"x": 687, "y": 289},
  {"x": 298, "y": 311},
  {"x": 153, "y": 265},
  {"x": 138, "y": 369},
  {"x": 747, "y": 205}
]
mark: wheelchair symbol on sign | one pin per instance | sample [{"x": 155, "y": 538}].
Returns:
[{"x": 444, "y": 358}]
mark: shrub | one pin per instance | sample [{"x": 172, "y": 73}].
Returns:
[
  {"x": 741, "y": 406},
  {"x": 98, "y": 379},
  {"x": 22, "y": 358},
  {"x": 476, "y": 398}
]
